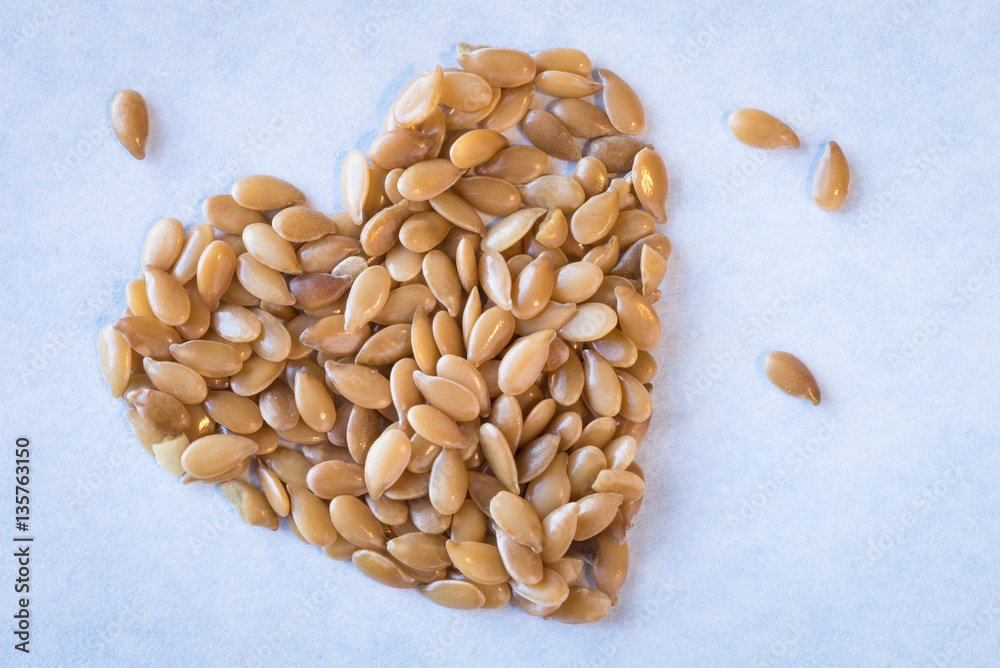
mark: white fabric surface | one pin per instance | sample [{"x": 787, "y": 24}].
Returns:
[{"x": 861, "y": 532}]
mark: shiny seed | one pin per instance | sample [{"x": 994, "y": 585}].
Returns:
[
  {"x": 479, "y": 562},
  {"x": 582, "y": 119},
  {"x": 791, "y": 376},
  {"x": 325, "y": 253},
  {"x": 583, "y": 605},
  {"x": 576, "y": 282},
  {"x": 535, "y": 457},
  {"x": 532, "y": 288},
  {"x": 166, "y": 296},
  {"x": 355, "y": 179},
  {"x": 386, "y": 461},
  {"x": 367, "y": 297},
  {"x": 509, "y": 230},
  {"x": 420, "y": 550},
  {"x": 265, "y": 192},
  {"x": 116, "y": 359},
  {"x": 548, "y": 133},
  {"x": 649, "y": 178},
  {"x": 381, "y": 569},
  {"x": 163, "y": 244},
  {"x": 566, "y": 84},
  {"x": 552, "y": 489},
  {"x": 558, "y": 530},
  {"x": 235, "y": 323},
  {"x": 517, "y": 519},
  {"x": 299, "y": 224},
  {"x": 524, "y": 565},
  {"x": 516, "y": 164},
  {"x": 623, "y": 105},
  {"x": 510, "y": 108},
  {"x": 419, "y": 99},
  {"x": 563, "y": 59},
  {"x": 130, "y": 121},
  {"x": 454, "y": 594},
  {"x": 223, "y": 212},
  {"x": 212, "y": 455},
  {"x": 267, "y": 246},
  {"x": 262, "y": 281},
  {"x": 354, "y": 521},
  {"x": 630, "y": 264},
  {"x": 499, "y": 67},
  {"x": 423, "y": 232},
  {"x": 596, "y": 513},
  {"x": 424, "y": 180},
  {"x": 184, "y": 384},
  {"x": 196, "y": 240},
  {"x": 436, "y": 426},
  {"x": 311, "y": 516},
  {"x": 553, "y": 191},
  {"x": 359, "y": 384},
  {"x": 831, "y": 178},
  {"x": 215, "y": 272},
  {"x": 760, "y": 129},
  {"x": 400, "y": 148},
  {"x": 161, "y": 411},
  {"x": 637, "y": 319},
  {"x": 449, "y": 482},
  {"x": 595, "y": 218},
  {"x": 426, "y": 518},
  {"x": 476, "y": 147},
  {"x": 234, "y": 412},
  {"x": 550, "y": 591},
  {"x": 494, "y": 197},
  {"x": 523, "y": 363}
]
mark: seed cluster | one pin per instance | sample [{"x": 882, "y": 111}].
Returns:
[{"x": 447, "y": 383}]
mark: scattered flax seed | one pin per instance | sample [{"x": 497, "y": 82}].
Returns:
[{"x": 791, "y": 376}]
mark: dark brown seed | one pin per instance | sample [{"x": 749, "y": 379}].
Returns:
[
  {"x": 582, "y": 119},
  {"x": 549, "y": 134},
  {"x": 616, "y": 152}
]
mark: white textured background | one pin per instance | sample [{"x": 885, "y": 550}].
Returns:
[{"x": 861, "y": 532}]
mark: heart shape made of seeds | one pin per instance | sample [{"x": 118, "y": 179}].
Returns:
[{"x": 446, "y": 384}]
